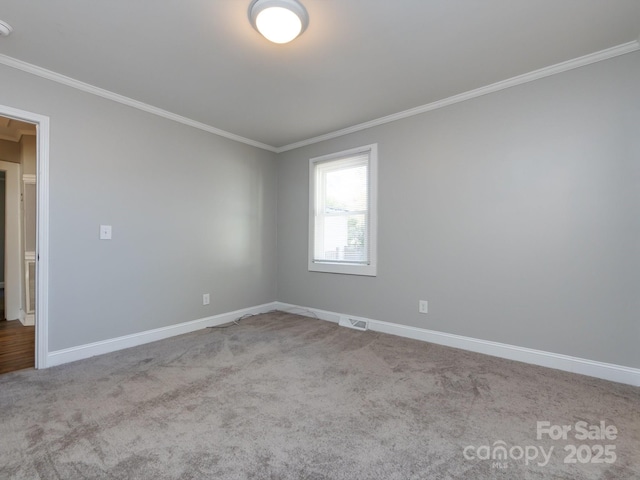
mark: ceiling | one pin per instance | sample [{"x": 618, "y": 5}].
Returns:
[
  {"x": 359, "y": 60},
  {"x": 13, "y": 130}
]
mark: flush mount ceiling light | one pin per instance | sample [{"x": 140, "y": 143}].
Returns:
[
  {"x": 279, "y": 21},
  {"x": 5, "y": 29}
]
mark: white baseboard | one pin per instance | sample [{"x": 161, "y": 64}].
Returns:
[
  {"x": 80, "y": 352},
  {"x": 28, "y": 319},
  {"x": 606, "y": 371}
]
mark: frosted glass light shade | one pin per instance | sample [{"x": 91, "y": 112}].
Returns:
[
  {"x": 279, "y": 21},
  {"x": 5, "y": 29}
]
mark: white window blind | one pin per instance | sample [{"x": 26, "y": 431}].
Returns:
[{"x": 340, "y": 209}]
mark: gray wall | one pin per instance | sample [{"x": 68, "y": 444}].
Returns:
[
  {"x": 516, "y": 215},
  {"x": 191, "y": 212}
]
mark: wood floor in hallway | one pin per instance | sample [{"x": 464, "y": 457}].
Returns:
[{"x": 17, "y": 346}]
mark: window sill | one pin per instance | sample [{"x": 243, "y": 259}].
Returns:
[{"x": 343, "y": 268}]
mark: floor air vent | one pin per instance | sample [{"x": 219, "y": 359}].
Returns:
[{"x": 353, "y": 323}]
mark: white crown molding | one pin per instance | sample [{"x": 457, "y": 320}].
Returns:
[
  {"x": 494, "y": 87},
  {"x": 581, "y": 366},
  {"x": 100, "y": 92}
]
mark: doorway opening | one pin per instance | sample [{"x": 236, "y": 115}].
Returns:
[
  {"x": 24, "y": 150},
  {"x": 18, "y": 174}
]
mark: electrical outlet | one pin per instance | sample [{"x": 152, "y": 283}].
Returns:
[
  {"x": 423, "y": 306},
  {"x": 206, "y": 299}
]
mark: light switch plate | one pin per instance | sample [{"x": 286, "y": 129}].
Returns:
[{"x": 105, "y": 232}]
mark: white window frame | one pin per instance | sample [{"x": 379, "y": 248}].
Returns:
[{"x": 370, "y": 268}]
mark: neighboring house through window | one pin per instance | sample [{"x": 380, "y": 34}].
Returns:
[{"x": 342, "y": 212}]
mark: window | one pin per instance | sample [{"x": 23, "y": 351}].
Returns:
[{"x": 342, "y": 212}]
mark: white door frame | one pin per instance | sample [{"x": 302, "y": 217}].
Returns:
[{"x": 42, "y": 240}]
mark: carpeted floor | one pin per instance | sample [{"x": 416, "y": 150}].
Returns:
[{"x": 281, "y": 396}]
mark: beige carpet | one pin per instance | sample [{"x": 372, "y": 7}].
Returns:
[{"x": 281, "y": 396}]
